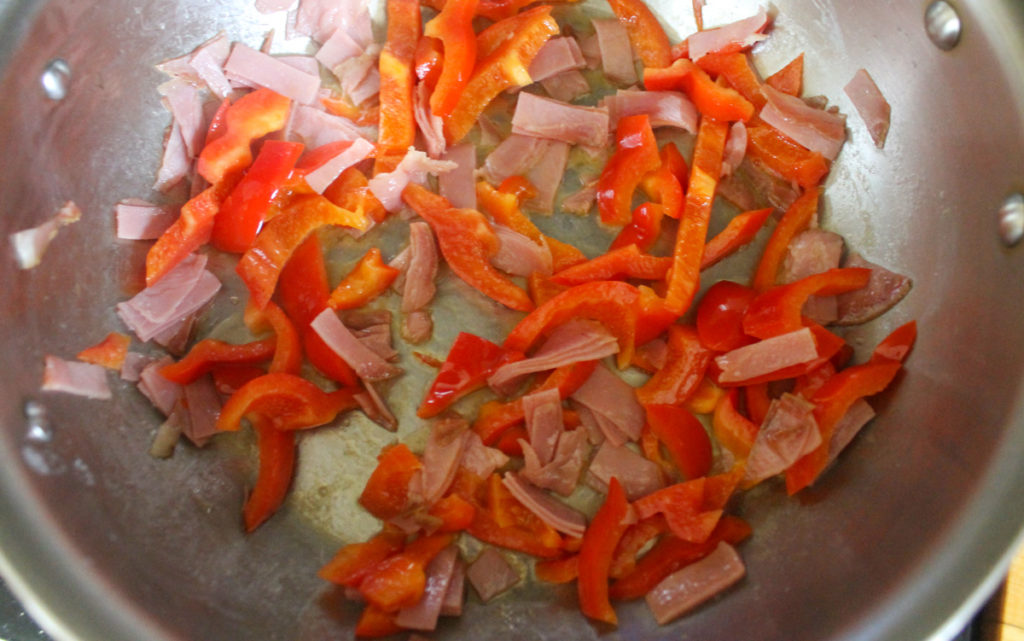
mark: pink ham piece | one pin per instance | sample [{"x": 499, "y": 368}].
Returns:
[
  {"x": 562, "y": 472},
  {"x": 556, "y": 514},
  {"x": 459, "y": 184},
  {"x": 134, "y": 363},
  {"x": 208, "y": 62},
  {"x": 581, "y": 201},
  {"x": 519, "y": 255},
  {"x": 162, "y": 393},
  {"x": 884, "y": 289},
  {"x": 816, "y": 129},
  {"x": 664, "y": 108},
  {"x": 319, "y": 19},
  {"x": 847, "y": 428},
  {"x": 445, "y": 447},
  {"x": 368, "y": 365},
  {"x": 375, "y": 408},
  {"x": 141, "y": 220},
  {"x": 870, "y": 104},
  {"x": 378, "y": 339},
  {"x": 359, "y": 76},
  {"x": 72, "y": 377},
  {"x": 616, "y": 51},
  {"x": 696, "y": 583},
  {"x": 305, "y": 64},
  {"x": 186, "y": 106},
  {"x": 418, "y": 288},
  {"x": 29, "y": 245},
  {"x": 732, "y": 37},
  {"x": 595, "y": 431},
  {"x": 267, "y": 71},
  {"x": 609, "y": 396},
  {"x": 566, "y": 86},
  {"x": 417, "y": 326},
  {"x": 321, "y": 178},
  {"x": 454, "y": 597},
  {"x": 654, "y": 352},
  {"x": 788, "y": 432},
  {"x": 735, "y": 147},
  {"x": 273, "y": 6},
  {"x": 764, "y": 357},
  {"x": 514, "y": 156},
  {"x": 175, "y": 339},
  {"x": 318, "y": 128},
  {"x": 591, "y": 50},
  {"x": 175, "y": 163},
  {"x": 546, "y": 118},
  {"x": 337, "y": 49},
  {"x": 751, "y": 187},
  {"x": 431, "y": 129},
  {"x": 162, "y": 306},
  {"x": 413, "y": 168},
  {"x": 542, "y": 412},
  {"x": 203, "y": 403},
  {"x": 480, "y": 459},
  {"x": 424, "y": 615},
  {"x": 490, "y": 574},
  {"x": 556, "y": 56},
  {"x": 812, "y": 252},
  {"x": 547, "y": 175},
  {"x": 638, "y": 476}
]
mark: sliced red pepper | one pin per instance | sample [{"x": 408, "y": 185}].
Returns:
[
  {"x": 777, "y": 310},
  {"x": 399, "y": 580},
  {"x": 663, "y": 187},
  {"x": 740, "y": 231},
  {"x": 249, "y": 118},
  {"x": 636, "y": 537},
  {"x": 353, "y": 562},
  {"x": 558, "y": 570},
  {"x": 467, "y": 242},
  {"x": 789, "y": 79},
  {"x": 277, "y": 464},
  {"x": 370, "y": 278},
  {"x": 611, "y": 303},
  {"x": 684, "y": 369},
  {"x": 705, "y": 398},
  {"x": 646, "y": 34},
  {"x": 599, "y": 543},
  {"x": 188, "y": 233},
  {"x": 781, "y": 155},
  {"x": 455, "y": 513},
  {"x": 541, "y": 289},
  {"x": 507, "y": 523},
  {"x": 617, "y": 264},
  {"x": 287, "y": 348},
  {"x": 453, "y": 26},
  {"x": 636, "y": 155},
  {"x": 795, "y": 220},
  {"x": 896, "y": 345},
  {"x": 692, "y": 508},
  {"x": 720, "y": 316},
  {"x": 509, "y": 443},
  {"x": 351, "y": 190},
  {"x": 672, "y": 158},
  {"x": 734, "y": 431},
  {"x": 710, "y": 98},
  {"x": 809, "y": 384},
  {"x": 260, "y": 266},
  {"x": 288, "y": 401},
  {"x": 654, "y": 315},
  {"x": 758, "y": 401},
  {"x": 362, "y": 115},
  {"x": 429, "y": 58},
  {"x": 209, "y": 352},
  {"x": 683, "y": 436},
  {"x": 643, "y": 229},
  {"x": 386, "y": 493},
  {"x": 242, "y": 213},
  {"x": 374, "y": 623},
  {"x": 218, "y": 123},
  {"x": 397, "y": 127},
  {"x": 738, "y": 72},
  {"x": 693, "y": 225},
  {"x": 229, "y": 378},
  {"x": 470, "y": 361},
  {"x": 110, "y": 352}
]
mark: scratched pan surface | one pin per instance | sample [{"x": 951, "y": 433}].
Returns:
[{"x": 901, "y": 541}]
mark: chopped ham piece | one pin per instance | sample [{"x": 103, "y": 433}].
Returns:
[
  {"x": 566, "y": 86},
  {"x": 134, "y": 363},
  {"x": 82, "y": 379},
  {"x": 141, "y": 220},
  {"x": 318, "y": 128},
  {"x": 413, "y": 167},
  {"x": 547, "y": 175},
  {"x": 813, "y": 251},
  {"x": 616, "y": 51},
  {"x": 203, "y": 403},
  {"x": 319, "y": 19},
  {"x": 29, "y": 245},
  {"x": 419, "y": 289},
  {"x": 321, "y": 178},
  {"x": 638, "y": 476},
  {"x": 872, "y": 106},
  {"x": 735, "y": 147},
  {"x": 445, "y": 447},
  {"x": 454, "y": 597},
  {"x": 562, "y": 472},
  {"x": 208, "y": 62},
  {"x": 490, "y": 574},
  {"x": 175, "y": 339},
  {"x": 273, "y": 6},
  {"x": 687, "y": 588},
  {"x": 431, "y": 127},
  {"x": 375, "y": 408},
  {"x": 337, "y": 49},
  {"x": 883, "y": 291},
  {"x": 423, "y": 615},
  {"x": 788, "y": 432},
  {"x": 378, "y": 339},
  {"x": 750, "y": 187},
  {"x": 546, "y": 118},
  {"x": 581, "y": 201},
  {"x": 169, "y": 433},
  {"x": 556, "y": 514},
  {"x": 520, "y": 255},
  {"x": 542, "y": 411},
  {"x": 515, "y": 156},
  {"x": 556, "y": 56},
  {"x": 815, "y": 129},
  {"x": 267, "y": 71},
  {"x": 609, "y": 396},
  {"x": 176, "y": 296},
  {"x": 480, "y": 459},
  {"x": 186, "y": 106},
  {"x": 359, "y": 76},
  {"x": 417, "y": 326},
  {"x": 175, "y": 163},
  {"x": 162, "y": 393},
  {"x": 600, "y": 428},
  {"x": 591, "y": 50},
  {"x": 847, "y": 428},
  {"x": 767, "y": 356},
  {"x": 368, "y": 365},
  {"x": 458, "y": 185},
  {"x": 664, "y": 108},
  {"x": 363, "y": 318},
  {"x": 729, "y": 38},
  {"x": 653, "y": 354}
]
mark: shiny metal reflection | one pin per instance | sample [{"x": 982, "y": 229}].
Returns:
[
  {"x": 55, "y": 79},
  {"x": 943, "y": 24},
  {"x": 1011, "y": 220}
]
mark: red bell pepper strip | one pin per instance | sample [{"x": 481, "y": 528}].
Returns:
[
  {"x": 672, "y": 158},
  {"x": 186, "y": 234},
  {"x": 289, "y": 402},
  {"x": 636, "y": 538},
  {"x": 470, "y": 361},
  {"x": 351, "y": 191},
  {"x": 653, "y": 315},
  {"x": 832, "y": 401},
  {"x": 229, "y": 378},
  {"x": 693, "y": 225},
  {"x": 796, "y": 219},
  {"x": 896, "y": 345},
  {"x": 705, "y": 398},
  {"x": 663, "y": 187},
  {"x": 684, "y": 369},
  {"x": 374, "y": 623},
  {"x": 260, "y": 266},
  {"x": 428, "y": 61},
  {"x": 692, "y": 508},
  {"x": 599, "y": 542},
  {"x": 509, "y": 441},
  {"x": 277, "y": 464},
  {"x": 353, "y": 562},
  {"x": 287, "y": 348},
  {"x": 541, "y": 289},
  {"x": 757, "y": 400},
  {"x": 736, "y": 69},
  {"x": 740, "y": 231},
  {"x": 789, "y": 79},
  {"x": 636, "y": 154},
  {"x": 781, "y": 155},
  {"x": 683, "y": 436},
  {"x": 249, "y": 118},
  {"x": 777, "y": 310},
  {"x": 504, "y": 53},
  {"x": 370, "y": 278},
  {"x": 563, "y": 570},
  {"x": 734, "y": 431},
  {"x": 720, "y": 316},
  {"x": 711, "y": 99},
  {"x": 399, "y": 580},
  {"x": 506, "y": 522},
  {"x": 209, "y": 352},
  {"x": 467, "y": 243},
  {"x": 453, "y": 26},
  {"x": 218, "y": 123},
  {"x": 643, "y": 229},
  {"x": 454, "y": 512},
  {"x": 809, "y": 384},
  {"x": 611, "y": 303},
  {"x": 646, "y": 34},
  {"x": 110, "y": 352},
  {"x": 397, "y": 127},
  {"x": 617, "y": 264},
  {"x": 386, "y": 493},
  {"x": 244, "y": 210}
]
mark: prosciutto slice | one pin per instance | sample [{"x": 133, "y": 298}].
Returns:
[
  {"x": 542, "y": 411},
  {"x": 490, "y": 574},
  {"x": 319, "y": 19},
  {"x": 337, "y": 49},
  {"x": 321, "y": 178},
  {"x": 317, "y": 128},
  {"x": 514, "y": 156},
  {"x": 186, "y": 106},
  {"x": 616, "y": 51},
  {"x": 566, "y": 86},
  {"x": 687, "y": 588},
  {"x": 480, "y": 459},
  {"x": 203, "y": 403},
  {"x": 431, "y": 127},
  {"x": 141, "y": 220},
  {"x": 176, "y": 296},
  {"x": 729, "y": 38},
  {"x": 816, "y": 129},
  {"x": 562, "y": 472},
  {"x": 267, "y": 71},
  {"x": 359, "y": 76},
  {"x": 71, "y": 377},
  {"x": 556, "y": 56},
  {"x": 367, "y": 364},
  {"x": 413, "y": 168},
  {"x": 441, "y": 457},
  {"x": 520, "y": 255},
  {"x": 459, "y": 185},
  {"x": 611, "y": 398},
  {"x": 418, "y": 288},
  {"x": 664, "y": 108},
  {"x": 788, "y": 432},
  {"x": 847, "y": 428},
  {"x": 556, "y": 514},
  {"x": 764, "y": 357},
  {"x": 546, "y": 118},
  {"x": 162, "y": 393},
  {"x": 638, "y": 476},
  {"x": 175, "y": 163},
  {"x": 454, "y": 597},
  {"x": 547, "y": 175},
  {"x": 29, "y": 245},
  {"x": 735, "y": 147},
  {"x": 424, "y": 615},
  {"x": 884, "y": 289},
  {"x": 870, "y": 104}
]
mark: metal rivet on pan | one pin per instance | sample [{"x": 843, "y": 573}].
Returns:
[
  {"x": 37, "y": 422},
  {"x": 1011, "y": 220},
  {"x": 55, "y": 79},
  {"x": 943, "y": 24}
]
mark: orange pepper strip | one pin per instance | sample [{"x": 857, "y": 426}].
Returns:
[
  {"x": 693, "y": 225},
  {"x": 796, "y": 219},
  {"x": 780, "y": 154},
  {"x": 351, "y": 191},
  {"x": 645, "y": 32},
  {"x": 541, "y": 288},
  {"x": 209, "y": 352},
  {"x": 110, "y": 352},
  {"x": 789, "y": 79},
  {"x": 290, "y": 402},
  {"x": 734, "y": 431},
  {"x": 397, "y": 125},
  {"x": 374, "y": 623},
  {"x": 740, "y": 231},
  {"x": 387, "y": 491},
  {"x": 453, "y": 26},
  {"x": 277, "y": 464},
  {"x": 683, "y": 436},
  {"x": 456, "y": 513},
  {"x": 737, "y": 71},
  {"x": 684, "y": 369},
  {"x": 186, "y": 234},
  {"x": 710, "y": 98},
  {"x": 399, "y": 580},
  {"x": 636, "y": 155},
  {"x": 595, "y": 559},
  {"x": 288, "y": 349},
  {"x": 353, "y": 562},
  {"x": 624, "y": 262},
  {"x": 558, "y": 570},
  {"x": 777, "y": 310},
  {"x": 252, "y": 116},
  {"x": 370, "y": 278}
]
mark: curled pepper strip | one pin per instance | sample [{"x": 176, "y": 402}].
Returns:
[
  {"x": 470, "y": 361},
  {"x": 711, "y": 99},
  {"x": 397, "y": 126},
  {"x": 188, "y": 233},
  {"x": 370, "y": 278},
  {"x": 287, "y": 349},
  {"x": 769, "y": 147},
  {"x": 796, "y": 219},
  {"x": 740, "y": 231},
  {"x": 684, "y": 369},
  {"x": 636, "y": 154},
  {"x": 624, "y": 262},
  {"x": 210, "y": 352},
  {"x": 595, "y": 558},
  {"x": 777, "y": 310},
  {"x": 288, "y": 401},
  {"x": 277, "y": 465},
  {"x": 252, "y": 116},
  {"x": 645, "y": 32},
  {"x": 453, "y": 26}
]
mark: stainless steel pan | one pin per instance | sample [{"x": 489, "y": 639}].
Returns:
[{"x": 901, "y": 541}]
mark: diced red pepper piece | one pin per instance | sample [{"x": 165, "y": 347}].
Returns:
[
  {"x": 663, "y": 187},
  {"x": 740, "y": 231},
  {"x": 683, "y": 436},
  {"x": 643, "y": 229},
  {"x": 374, "y": 623},
  {"x": 229, "y": 378},
  {"x": 654, "y": 315},
  {"x": 541, "y": 289},
  {"x": 351, "y": 191},
  {"x": 734, "y": 431},
  {"x": 386, "y": 493},
  {"x": 370, "y": 278},
  {"x": 287, "y": 347},
  {"x": 896, "y": 345},
  {"x": 645, "y": 32},
  {"x": 736, "y": 69},
  {"x": 249, "y": 118},
  {"x": 453, "y": 26},
  {"x": 599, "y": 542},
  {"x": 362, "y": 115},
  {"x": 288, "y": 401},
  {"x": 777, "y": 310},
  {"x": 796, "y": 219},
  {"x": 470, "y": 361},
  {"x": 277, "y": 464},
  {"x": 684, "y": 369},
  {"x": 399, "y": 580},
  {"x": 188, "y": 233},
  {"x": 636, "y": 155},
  {"x": 558, "y": 570},
  {"x": 720, "y": 316},
  {"x": 710, "y": 98},
  {"x": 758, "y": 401},
  {"x": 789, "y": 79},
  {"x": 507, "y": 523},
  {"x": 353, "y": 562},
  {"x": 209, "y": 352},
  {"x": 456, "y": 513},
  {"x": 397, "y": 127},
  {"x": 616, "y": 264},
  {"x": 781, "y": 155},
  {"x": 636, "y": 538},
  {"x": 110, "y": 352}
]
